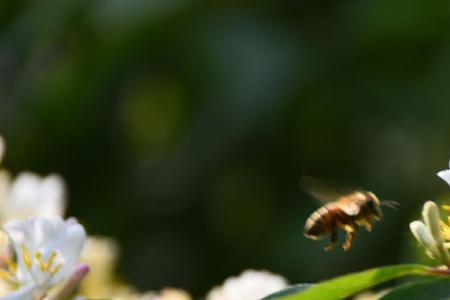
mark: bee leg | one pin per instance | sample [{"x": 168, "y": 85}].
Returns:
[
  {"x": 368, "y": 226},
  {"x": 348, "y": 240},
  {"x": 333, "y": 240},
  {"x": 351, "y": 232}
]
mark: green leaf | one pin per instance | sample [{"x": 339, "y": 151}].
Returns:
[
  {"x": 433, "y": 289},
  {"x": 347, "y": 285},
  {"x": 289, "y": 291}
]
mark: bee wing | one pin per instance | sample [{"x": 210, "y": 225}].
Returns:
[
  {"x": 351, "y": 208},
  {"x": 319, "y": 190}
]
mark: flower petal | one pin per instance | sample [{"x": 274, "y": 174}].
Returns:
[
  {"x": 423, "y": 236},
  {"x": 432, "y": 218},
  {"x": 445, "y": 175},
  {"x": 52, "y": 196},
  {"x": 31, "y": 195},
  {"x": 46, "y": 239},
  {"x": 24, "y": 293},
  {"x": 250, "y": 285}
]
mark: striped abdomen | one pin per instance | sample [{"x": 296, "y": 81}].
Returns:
[{"x": 323, "y": 221}]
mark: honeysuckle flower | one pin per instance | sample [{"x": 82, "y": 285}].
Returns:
[
  {"x": 30, "y": 195},
  {"x": 47, "y": 251},
  {"x": 428, "y": 233},
  {"x": 250, "y": 285}
]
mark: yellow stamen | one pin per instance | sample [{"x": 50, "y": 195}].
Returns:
[
  {"x": 26, "y": 256},
  {"x": 445, "y": 231},
  {"x": 45, "y": 267},
  {"x": 38, "y": 258},
  {"x": 56, "y": 269},
  {"x": 445, "y": 228},
  {"x": 51, "y": 260}
]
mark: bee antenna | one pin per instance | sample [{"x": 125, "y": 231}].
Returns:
[{"x": 390, "y": 204}]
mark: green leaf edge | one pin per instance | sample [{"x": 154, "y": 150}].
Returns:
[
  {"x": 347, "y": 285},
  {"x": 293, "y": 289}
]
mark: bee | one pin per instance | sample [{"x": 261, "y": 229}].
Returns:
[{"x": 347, "y": 211}]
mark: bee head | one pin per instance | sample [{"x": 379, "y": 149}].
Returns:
[{"x": 374, "y": 205}]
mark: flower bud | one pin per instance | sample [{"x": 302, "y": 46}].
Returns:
[
  {"x": 423, "y": 235},
  {"x": 432, "y": 218}
]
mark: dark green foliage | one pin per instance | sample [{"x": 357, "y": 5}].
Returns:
[
  {"x": 345, "y": 286},
  {"x": 433, "y": 289}
]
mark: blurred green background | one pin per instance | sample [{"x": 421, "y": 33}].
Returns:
[{"x": 183, "y": 127}]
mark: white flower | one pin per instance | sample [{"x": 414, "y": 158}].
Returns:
[
  {"x": 30, "y": 195},
  {"x": 428, "y": 233},
  {"x": 47, "y": 250},
  {"x": 445, "y": 175},
  {"x": 25, "y": 293},
  {"x": 250, "y": 285},
  {"x": 166, "y": 294}
]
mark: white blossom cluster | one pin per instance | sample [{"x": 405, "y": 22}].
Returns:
[
  {"x": 250, "y": 285},
  {"x": 432, "y": 233},
  {"x": 40, "y": 251},
  {"x": 45, "y": 256}
]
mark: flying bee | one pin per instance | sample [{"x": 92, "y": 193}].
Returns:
[{"x": 347, "y": 211}]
